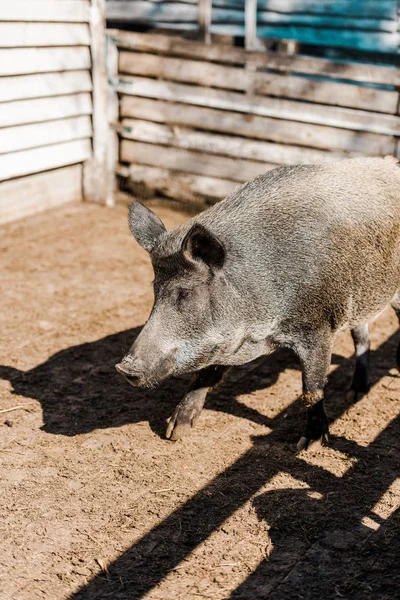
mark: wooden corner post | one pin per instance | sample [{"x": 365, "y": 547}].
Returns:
[{"x": 95, "y": 172}]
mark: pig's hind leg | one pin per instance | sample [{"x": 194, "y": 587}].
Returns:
[
  {"x": 189, "y": 408},
  {"x": 396, "y": 307},
  {"x": 314, "y": 351},
  {"x": 361, "y": 380}
]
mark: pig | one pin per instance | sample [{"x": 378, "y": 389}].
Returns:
[{"x": 286, "y": 260}]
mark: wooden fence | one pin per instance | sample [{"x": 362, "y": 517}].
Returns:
[
  {"x": 53, "y": 120},
  {"x": 195, "y": 120},
  {"x": 369, "y": 25}
]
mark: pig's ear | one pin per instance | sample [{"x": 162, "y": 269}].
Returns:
[
  {"x": 201, "y": 247},
  {"x": 145, "y": 226}
]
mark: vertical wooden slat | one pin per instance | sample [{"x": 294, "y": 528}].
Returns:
[
  {"x": 95, "y": 186},
  {"x": 113, "y": 117},
  {"x": 250, "y": 18},
  {"x": 205, "y": 9}
]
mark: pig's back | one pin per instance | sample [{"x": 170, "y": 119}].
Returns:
[{"x": 317, "y": 231}]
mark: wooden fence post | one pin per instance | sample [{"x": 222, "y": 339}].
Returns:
[
  {"x": 113, "y": 117},
  {"x": 95, "y": 186},
  {"x": 205, "y": 9},
  {"x": 250, "y": 23}
]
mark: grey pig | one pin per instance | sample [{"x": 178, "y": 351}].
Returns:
[{"x": 287, "y": 260}]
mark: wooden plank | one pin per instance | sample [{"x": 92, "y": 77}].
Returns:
[
  {"x": 22, "y": 61},
  {"x": 113, "y": 117},
  {"x": 95, "y": 172},
  {"x": 326, "y": 92},
  {"x": 22, "y": 35},
  {"x": 36, "y": 160},
  {"x": 229, "y": 103},
  {"x": 180, "y": 186},
  {"x": 191, "y": 162},
  {"x": 203, "y": 73},
  {"x": 188, "y": 71},
  {"x": 250, "y": 19},
  {"x": 43, "y": 134},
  {"x": 38, "y": 110},
  {"x": 67, "y": 11},
  {"x": 34, "y": 193},
  {"x": 204, "y": 19},
  {"x": 224, "y": 145},
  {"x": 371, "y": 41},
  {"x": 173, "y": 12},
  {"x": 48, "y": 84},
  {"x": 176, "y": 46},
  {"x": 384, "y": 9}
]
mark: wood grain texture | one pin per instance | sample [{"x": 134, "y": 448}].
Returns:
[
  {"x": 36, "y": 160},
  {"x": 37, "y": 110},
  {"x": 34, "y": 135},
  {"x": 34, "y": 193},
  {"x": 45, "y": 85},
  {"x": 22, "y": 61}
]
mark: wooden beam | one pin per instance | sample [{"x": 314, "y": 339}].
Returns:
[
  {"x": 250, "y": 20},
  {"x": 223, "y": 145},
  {"x": 95, "y": 171},
  {"x": 204, "y": 19},
  {"x": 22, "y": 35},
  {"x": 176, "y": 46},
  {"x": 180, "y": 186},
  {"x": 227, "y": 77},
  {"x": 189, "y": 161},
  {"x": 34, "y": 193},
  {"x": 231, "y": 103},
  {"x": 49, "y": 84},
  {"x": 38, "y": 110},
  {"x": 34, "y": 135},
  {"x": 22, "y": 61},
  {"x": 67, "y": 11},
  {"x": 36, "y": 160}
]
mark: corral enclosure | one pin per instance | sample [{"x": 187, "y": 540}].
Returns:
[
  {"x": 53, "y": 119},
  {"x": 186, "y": 100}
]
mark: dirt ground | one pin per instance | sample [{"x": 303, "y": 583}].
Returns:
[{"x": 95, "y": 502}]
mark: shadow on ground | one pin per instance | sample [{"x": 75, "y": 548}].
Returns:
[{"x": 340, "y": 556}]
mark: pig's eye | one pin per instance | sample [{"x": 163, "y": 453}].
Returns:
[{"x": 182, "y": 295}]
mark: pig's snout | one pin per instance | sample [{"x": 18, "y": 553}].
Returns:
[
  {"x": 145, "y": 374},
  {"x": 129, "y": 370}
]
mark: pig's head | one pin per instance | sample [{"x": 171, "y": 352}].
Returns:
[{"x": 188, "y": 325}]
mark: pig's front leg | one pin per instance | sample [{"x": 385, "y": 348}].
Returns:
[
  {"x": 189, "y": 408},
  {"x": 315, "y": 352}
]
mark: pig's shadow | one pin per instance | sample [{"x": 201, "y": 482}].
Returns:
[{"x": 80, "y": 391}]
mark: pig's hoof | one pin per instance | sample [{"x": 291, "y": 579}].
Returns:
[
  {"x": 317, "y": 428},
  {"x": 184, "y": 418}
]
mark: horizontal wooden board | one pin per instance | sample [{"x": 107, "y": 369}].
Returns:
[
  {"x": 67, "y": 11},
  {"x": 34, "y": 193},
  {"x": 36, "y": 160},
  {"x": 326, "y": 92},
  {"x": 22, "y": 61},
  {"x": 230, "y": 104},
  {"x": 232, "y": 146},
  {"x": 191, "y": 162},
  {"x": 226, "y": 77},
  {"x": 370, "y": 41},
  {"x": 384, "y": 9},
  {"x": 37, "y": 110},
  {"x": 49, "y": 84},
  {"x": 142, "y": 11},
  {"x": 188, "y": 71},
  {"x": 180, "y": 186},
  {"x": 176, "y": 46},
  {"x": 22, "y": 35},
  {"x": 34, "y": 135}
]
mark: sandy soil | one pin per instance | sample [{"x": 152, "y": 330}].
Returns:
[{"x": 95, "y": 503}]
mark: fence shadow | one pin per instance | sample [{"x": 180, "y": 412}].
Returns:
[{"x": 148, "y": 561}]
